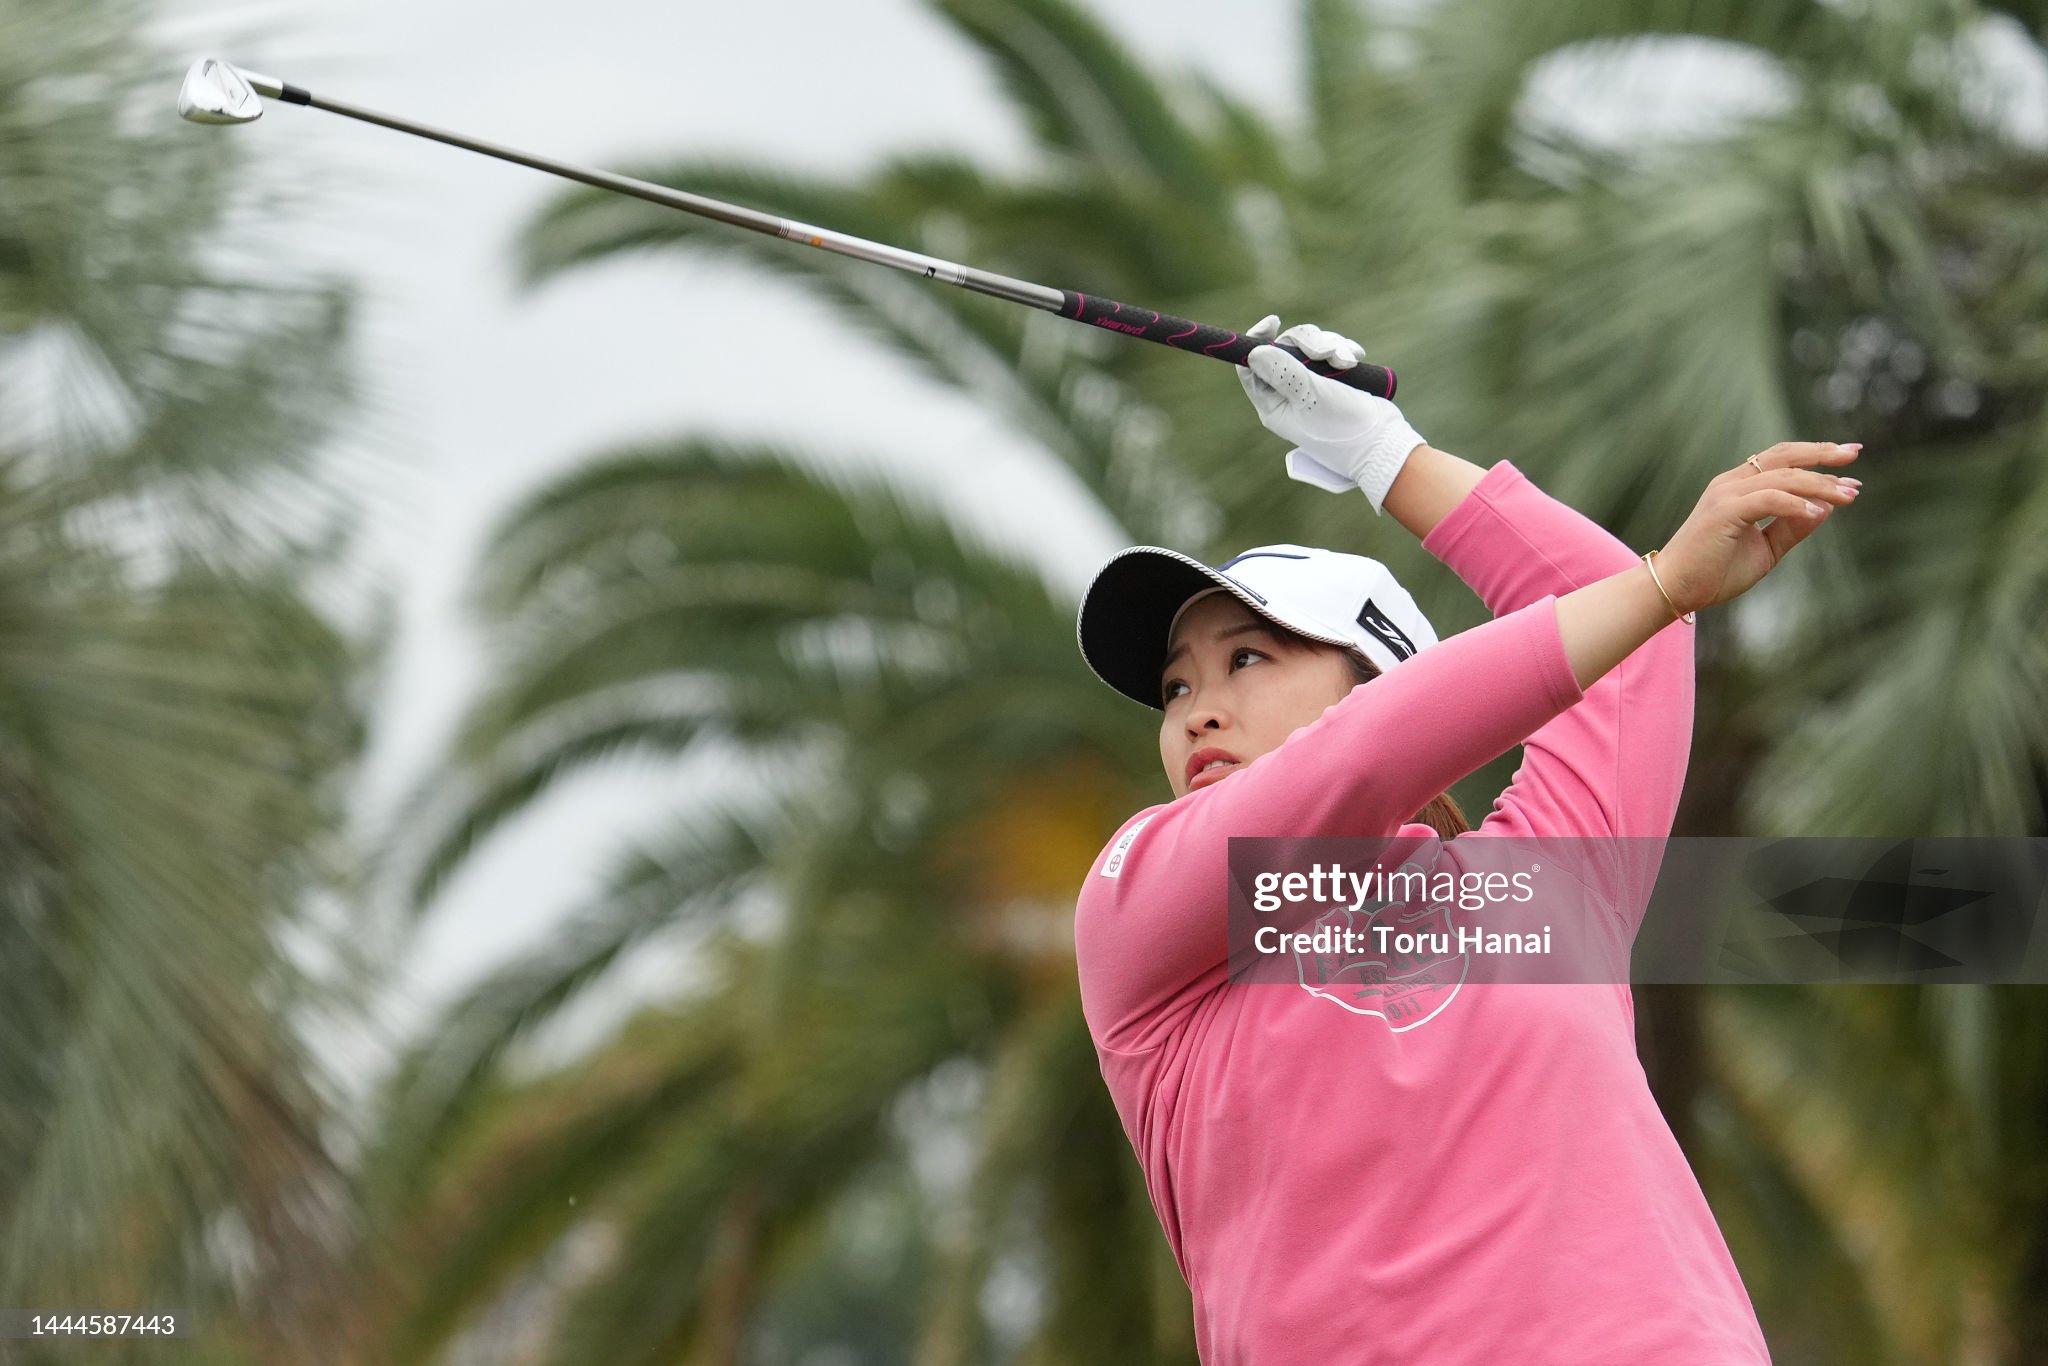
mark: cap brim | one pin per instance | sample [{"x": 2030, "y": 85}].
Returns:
[{"x": 1128, "y": 610}]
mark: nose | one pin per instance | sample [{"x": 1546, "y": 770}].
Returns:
[{"x": 1203, "y": 718}]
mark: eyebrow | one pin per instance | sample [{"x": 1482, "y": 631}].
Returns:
[{"x": 1248, "y": 628}]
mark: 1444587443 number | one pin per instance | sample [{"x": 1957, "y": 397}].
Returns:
[{"x": 97, "y": 1325}]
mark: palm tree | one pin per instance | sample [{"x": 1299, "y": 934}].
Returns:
[
  {"x": 921, "y": 889},
  {"x": 1853, "y": 257},
  {"x": 175, "y": 715}
]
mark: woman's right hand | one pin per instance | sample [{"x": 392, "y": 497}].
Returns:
[{"x": 1720, "y": 552}]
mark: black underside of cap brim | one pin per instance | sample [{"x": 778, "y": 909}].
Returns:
[{"x": 1127, "y": 613}]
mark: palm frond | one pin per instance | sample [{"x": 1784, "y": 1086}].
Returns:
[
  {"x": 1087, "y": 97},
  {"x": 703, "y": 870}
]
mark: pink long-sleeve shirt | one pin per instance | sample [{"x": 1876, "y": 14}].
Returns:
[{"x": 1495, "y": 1184}]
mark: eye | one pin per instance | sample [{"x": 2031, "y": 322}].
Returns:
[{"x": 1169, "y": 691}]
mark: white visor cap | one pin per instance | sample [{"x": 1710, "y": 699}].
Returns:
[{"x": 1128, "y": 612}]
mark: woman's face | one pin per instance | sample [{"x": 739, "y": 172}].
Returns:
[{"x": 1235, "y": 688}]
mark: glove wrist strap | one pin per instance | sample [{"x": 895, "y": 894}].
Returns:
[{"x": 1382, "y": 464}]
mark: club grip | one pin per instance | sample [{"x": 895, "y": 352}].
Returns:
[{"x": 1204, "y": 340}]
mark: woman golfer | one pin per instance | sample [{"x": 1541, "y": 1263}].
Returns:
[{"x": 1487, "y": 1179}]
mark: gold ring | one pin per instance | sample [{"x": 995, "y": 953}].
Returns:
[{"x": 1759, "y": 468}]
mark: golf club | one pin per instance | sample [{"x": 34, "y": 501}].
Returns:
[{"x": 216, "y": 92}]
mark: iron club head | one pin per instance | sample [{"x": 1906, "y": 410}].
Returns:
[{"x": 215, "y": 92}]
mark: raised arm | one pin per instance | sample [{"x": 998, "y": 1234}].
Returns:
[
  {"x": 1511, "y": 543},
  {"x": 1611, "y": 767},
  {"x": 1428, "y": 486},
  {"x": 1614, "y": 764}
]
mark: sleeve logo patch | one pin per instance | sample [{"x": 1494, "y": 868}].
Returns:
[{"x": 1113, "y": 866}]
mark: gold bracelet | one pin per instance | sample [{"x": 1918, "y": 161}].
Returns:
[{"x": 1649, "y": 558}]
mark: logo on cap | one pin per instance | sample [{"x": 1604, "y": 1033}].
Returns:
[
  {"x": 1383, "y": 629},
  {"x": 1235, "y": 560}
]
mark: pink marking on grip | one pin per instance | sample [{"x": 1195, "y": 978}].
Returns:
[
  {"x": 1192, "y": 329},
  {"x": 1225, "y": 342}
]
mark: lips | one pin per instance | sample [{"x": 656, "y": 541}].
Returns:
[{"x": 1199, "y": 774}]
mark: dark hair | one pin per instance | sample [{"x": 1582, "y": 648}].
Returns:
[{"x": 1442, "y": 814}]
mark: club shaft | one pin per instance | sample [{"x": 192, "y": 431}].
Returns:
[
  {"x": 931, "y": 267},
  {"x": 1093, "y": 310}
]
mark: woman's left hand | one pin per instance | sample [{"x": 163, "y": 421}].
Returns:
[{"x": 1344, "y": 438}]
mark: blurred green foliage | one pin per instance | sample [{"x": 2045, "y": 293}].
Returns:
[{"x": 176, "y": 716}]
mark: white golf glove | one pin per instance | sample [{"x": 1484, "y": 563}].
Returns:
[{"x": 1344, "y": 438}]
